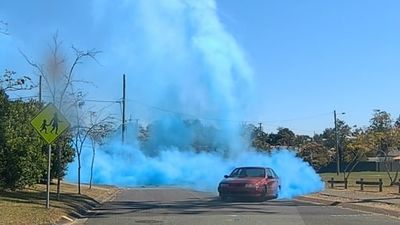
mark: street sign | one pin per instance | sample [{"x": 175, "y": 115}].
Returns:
[{"x": 50, "y": 123}]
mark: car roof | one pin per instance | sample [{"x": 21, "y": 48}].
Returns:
[{"x": 252, "y": 167}]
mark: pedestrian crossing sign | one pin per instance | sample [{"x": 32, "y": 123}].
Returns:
[{"x": 50, "y": 123}]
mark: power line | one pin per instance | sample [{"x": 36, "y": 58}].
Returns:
[
  {"x": 228, "y": 120},
  {"x": 25, "y": 97},
  {"x": 185, "y": 114},
  {"x": 268, "y": 122},
  {"x": 106, "y": 101},
  {"x": 301, "y": 118}
]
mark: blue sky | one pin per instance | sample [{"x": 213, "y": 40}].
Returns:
[
  {"x": 308, "y": 57},
  {"x": 316, "y": 56}
]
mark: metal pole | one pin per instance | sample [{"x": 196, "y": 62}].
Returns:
[
  {"x": 337, "y": 145},
  {"x": 58, "y": 171},
  {"x": 123, "y": 108},
  {"x": 48, "y": 180}
]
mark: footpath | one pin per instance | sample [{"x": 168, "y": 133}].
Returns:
[{"x": 369, "y": 201}]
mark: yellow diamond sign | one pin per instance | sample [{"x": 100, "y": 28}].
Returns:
[{"x": 50, "y": 123}]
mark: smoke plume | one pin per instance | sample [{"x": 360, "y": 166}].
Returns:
[{"x": 181, "y": 59}]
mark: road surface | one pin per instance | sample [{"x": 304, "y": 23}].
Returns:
[{"x": 167, "y": 206}]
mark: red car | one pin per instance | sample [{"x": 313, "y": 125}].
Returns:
[{"x": 258, "y": 182}]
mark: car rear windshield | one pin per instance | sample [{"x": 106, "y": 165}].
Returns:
[{"x": 248, "y": 172}]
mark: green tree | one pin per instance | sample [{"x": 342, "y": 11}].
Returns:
[
  {"x": 22, "y": 155},
  {"x": 3, "y": 112},
  {"x": 357, "y": 149},
  {"x": 381, "y": 121},
  {"x": 316, "y": 154},
  {"x": 380, "y": 131},
  {"x": 397, "y": 123},
  {"x": 396, "y": 134},
  {"x": 285, "y": 137},
  {"x": 63, "y": 155},
  {"x": 258, "y": 138},
  {"x": 272, "y": 139},
  {"x": 328, "y": 137},
  {"x": 302, "y": 140}
]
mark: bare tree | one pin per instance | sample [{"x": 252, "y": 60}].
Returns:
[
  {"x": 59, "y": 77},
  {"x": 356, "y": 150},
  {"x": 386, "y": 162},
  {"x": 357, "y": 156},
  {"x": 98, "y": 135},
  {"x": 4, "y": 28},
  {"x": 9, "y": 82},
  {"x": 87, "y": 128},
  {"x": 59, "y": 82}
]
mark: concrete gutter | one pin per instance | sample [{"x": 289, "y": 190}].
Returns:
[{"x": 79, "y": 217}]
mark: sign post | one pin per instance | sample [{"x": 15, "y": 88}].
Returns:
[
  {"x": 50, "y": 124},
  {"x": 48, "y": 179}
]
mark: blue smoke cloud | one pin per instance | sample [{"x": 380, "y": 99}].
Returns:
[
  {"x": 129, "y": 165},
  {"x": 181, "y": 57}
]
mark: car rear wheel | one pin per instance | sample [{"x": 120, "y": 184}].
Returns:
[{"x": 223, "y": 198}]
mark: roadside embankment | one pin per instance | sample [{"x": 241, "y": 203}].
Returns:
[
  {"x": 28, "y": 206},
  {"x": 368, "y": 200}
]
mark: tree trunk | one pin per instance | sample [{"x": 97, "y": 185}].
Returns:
[
  {"x": 392, "y": 181},
  {"x": 58, "y": 170},
  {"x": 396, "y": 175},
  {"x": 91, "y": 166},
  {"x": 79, "y": 173},
  {"x": 355, "y": 162}
]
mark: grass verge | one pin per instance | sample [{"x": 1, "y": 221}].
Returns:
[
  {"x": 28, "y": 206},
  {"x": 367, "y": 176}
]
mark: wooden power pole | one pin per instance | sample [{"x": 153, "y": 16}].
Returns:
[{"x": 123, "y": 108}]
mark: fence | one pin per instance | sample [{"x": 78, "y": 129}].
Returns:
[
  {"x": 333, "y": 182},
  {"x": 362, "y": 183},
  {"x": 361, "y": 166}
]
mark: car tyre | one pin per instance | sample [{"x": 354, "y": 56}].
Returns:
[
  {"x": 277, "y": 191},
  {"x": 223, "y": 198}
]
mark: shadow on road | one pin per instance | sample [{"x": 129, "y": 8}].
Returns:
[{"x": 192, "y": 206}]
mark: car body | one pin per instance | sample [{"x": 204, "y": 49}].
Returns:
[{"x": 256, "y": 182}]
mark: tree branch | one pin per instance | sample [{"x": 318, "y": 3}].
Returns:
[
  {"x": 39, "y": 69},
  {"x": 79, "y": 56},
  {"x": 3, "y": 28}
]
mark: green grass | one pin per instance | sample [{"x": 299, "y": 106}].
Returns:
[
  {"x": 354, "y": 176},
  {"x": 28, "y": 206}
]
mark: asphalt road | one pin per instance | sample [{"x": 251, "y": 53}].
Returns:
[{"x": 162, "y": 206}]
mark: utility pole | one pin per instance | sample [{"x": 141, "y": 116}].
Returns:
[
  {"x": 260, "y": 126},
  {"x": 40, "y": 88},
  {"x": 123, "y": 108},
  {"x": 337, "y": 145}
]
